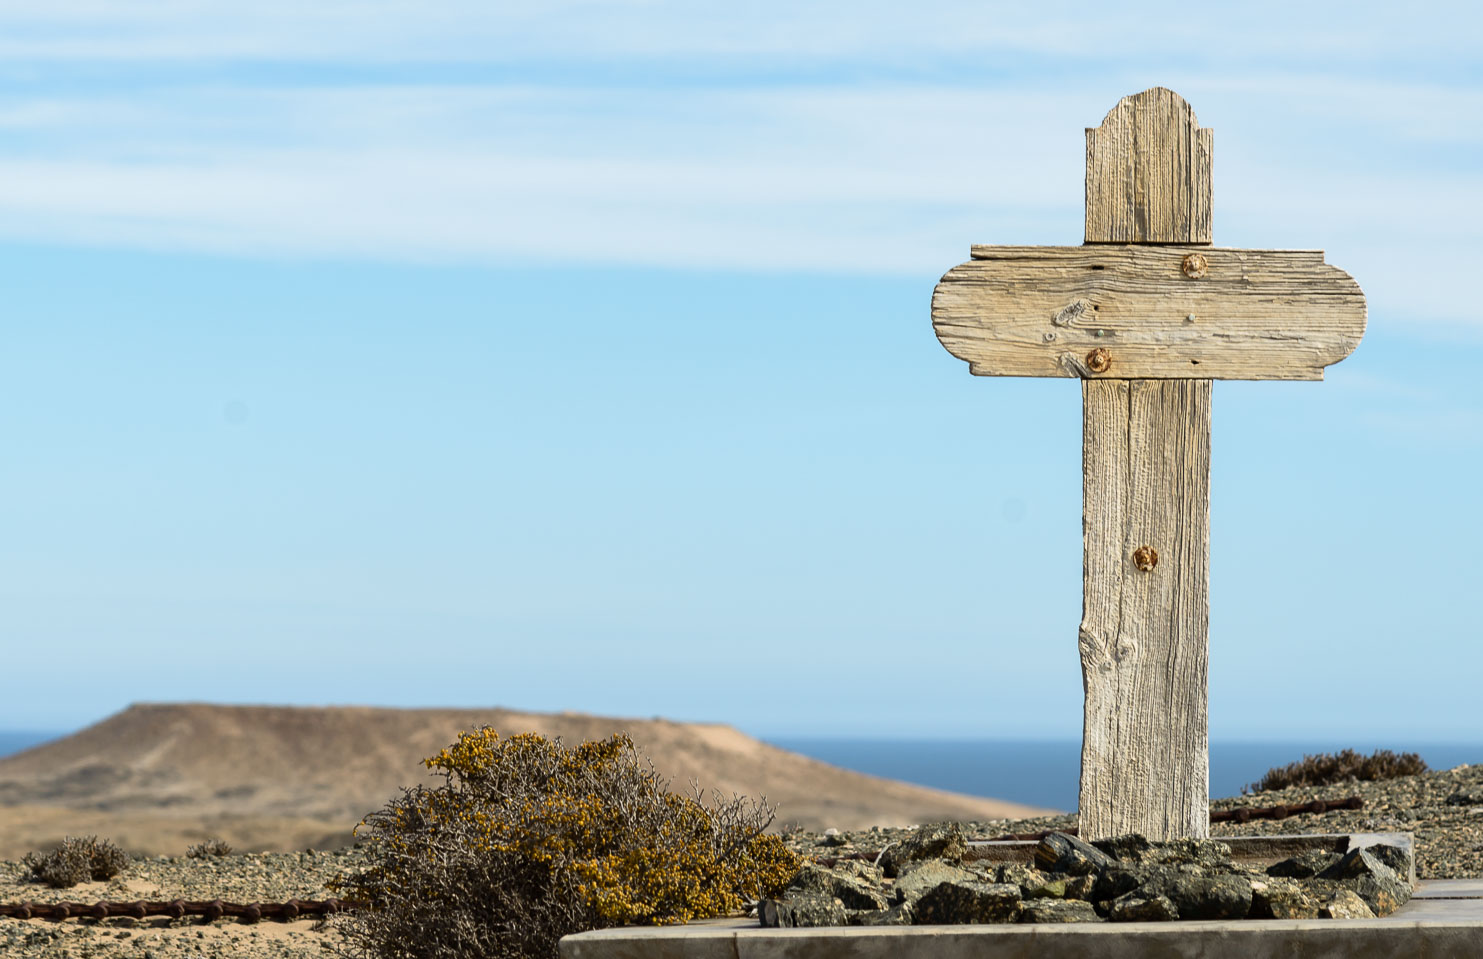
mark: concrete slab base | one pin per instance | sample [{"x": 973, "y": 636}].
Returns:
[{"x": 1444, "y": 920}]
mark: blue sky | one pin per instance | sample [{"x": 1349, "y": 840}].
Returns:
[{"x": 577, "y": 356}]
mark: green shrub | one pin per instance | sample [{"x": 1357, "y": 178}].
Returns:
[
  {"x": 1325, "y": 768},
  {"x": 208, "y": 847},
  {"x": 76, "y": 860},
  {"x": 528, "y": 840}
]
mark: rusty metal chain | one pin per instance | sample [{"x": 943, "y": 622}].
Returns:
[
  {"x": 1244, "y": 814},
  {"x": 179, "y": 908}
]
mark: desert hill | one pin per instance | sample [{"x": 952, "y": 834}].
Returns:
[{"x": 158, "y": 776}]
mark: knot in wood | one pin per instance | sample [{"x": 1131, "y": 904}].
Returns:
[
  {"x": 1099, "y": 360},
  {"x": 1195, "y": 266},
  {"x": 1145, "y": 558},
  {"x": 1071, "y": 313}
]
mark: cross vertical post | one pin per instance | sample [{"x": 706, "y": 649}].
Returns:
[
  {"x": 1146, "y": 486},
  {"x": 1147, "y": 314}
]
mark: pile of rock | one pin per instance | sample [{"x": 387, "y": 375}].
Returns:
[{"x": 927, "y": 879}]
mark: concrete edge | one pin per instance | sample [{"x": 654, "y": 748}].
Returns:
[{"x": 1423, "y": 927}]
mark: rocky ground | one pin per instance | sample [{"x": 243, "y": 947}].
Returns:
[
  {"x": 1444, "y": 810},
  {"x": 932, "y": 878}
]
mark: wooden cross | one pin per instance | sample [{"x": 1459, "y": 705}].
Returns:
[{"x": 1147, "y": 313}]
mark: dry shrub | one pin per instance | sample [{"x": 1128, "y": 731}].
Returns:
[
  {"x": 1325, "y": 768},
  {"x": 75, "y": 861},
  {"x": 528, "y": 840},
  {"x": 208, "y": 847}
]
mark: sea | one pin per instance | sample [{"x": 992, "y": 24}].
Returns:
[
  {"x": 1034, "y": 772},
  {"x": 1046, "y": 773}
]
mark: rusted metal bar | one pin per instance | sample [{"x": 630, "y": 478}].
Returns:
[
  {"x": 248, "y": 912},
  {"x": 1248, "y": 813},
  {"x": 1244, "y": 814}
]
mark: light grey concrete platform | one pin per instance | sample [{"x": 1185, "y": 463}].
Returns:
[{"x": 1444, "y": 920}]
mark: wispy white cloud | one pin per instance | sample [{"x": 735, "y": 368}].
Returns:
[
  {"x": 797, "y": 178},
  {"x": 867, "y": 167}
]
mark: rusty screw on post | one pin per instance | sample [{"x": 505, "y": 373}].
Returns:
[
  {"x": 1145, "y": 558},
  {"x": 1195, "y": 266},
  {"x": 1099, "y": 360}
]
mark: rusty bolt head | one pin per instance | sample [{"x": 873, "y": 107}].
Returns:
[
  {"x": 1195, "y": 266},
  {"x": 1099, "y": 360},
  {"x": 1145, "y": 558}
]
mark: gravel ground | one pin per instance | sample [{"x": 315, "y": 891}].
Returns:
[{"x": 1449, "y": 842}]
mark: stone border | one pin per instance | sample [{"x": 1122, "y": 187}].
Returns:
[{"x": 1444, "y": 919}]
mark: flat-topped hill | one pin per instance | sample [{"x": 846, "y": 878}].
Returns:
[{"x": 159, "y": 776}]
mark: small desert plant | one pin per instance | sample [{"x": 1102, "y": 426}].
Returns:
[
  {"x": 1322, "y": 769},
  {"x": 208, "y": 847},
  {"x": 528, "y": 840},
  {"x": 76, "y": 860}
]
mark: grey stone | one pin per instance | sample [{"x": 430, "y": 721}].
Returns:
[
  {"x": 1134, "y": 908},
  {"x": 817, "y": 911},
  {"x": 1466, "y": 797},
  {"x": 851, "y": 890},
  {"x": 1203, "y": 854},
  {"x": 861, "y": 869},
  {"x": 1059, "y": 852},
  {"x": 1354, "y": 864},
  {"x": 1057, "y": 910},
  {"x": 1208, "y": 854},
  {"x": 1345, "y": 904},
  {"x": 1019, "y": 874},
  {"x": 1080, "y": 887},
  {"x": 1033, "y": 883},
  {"x": 944, "y": 840},
  {"x": 921, "y": 878},
  {"x": 1382, "y": 889},
  {"x": 1383, "y": 896},
  {"x": 1119, "y": 879},
  {"x": 1279, "y": 898},
  {"x": 1046, "y": 889},
  {"x": 1210, "y": 897},
  {"x": 801, "y": 911},
  {"x": 1304, "y": 865},
  {"x": 897, "y": 915},
  {"x": 1395, "y": 857},
  {"x": 1129, "y": 848},
  {"x": 967, "y": 902}
]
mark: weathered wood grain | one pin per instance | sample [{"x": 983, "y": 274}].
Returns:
[
  {"x": 1252, "y": 314},
  {"x": 1145, "y": 482},
  {"x": 1144, "y": 636},
  {"x": 1148, "y": 173}
]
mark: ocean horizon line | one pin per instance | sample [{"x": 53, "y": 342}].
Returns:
[{"x": 1042, "y": 772}]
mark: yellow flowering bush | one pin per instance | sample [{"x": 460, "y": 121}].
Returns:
[{"x": 528, "y": 840}]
